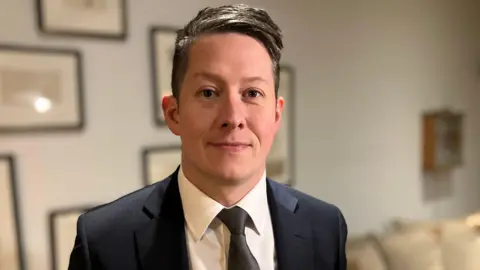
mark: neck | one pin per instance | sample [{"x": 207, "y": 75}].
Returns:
[{"x": 226, "y": 192}]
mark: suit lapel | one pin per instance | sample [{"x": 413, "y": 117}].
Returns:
[
  {"x": 293, "y": 235},
  {"x": 161, "y": 241}
]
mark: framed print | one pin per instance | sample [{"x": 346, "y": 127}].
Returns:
[
  {"x": 40, "y": 89},
  {"x": 442, "y": 140},
  {"x": 11, "y": 242},
  {"x": 63, "y": 229},
  {"x": 86, "y": 18},
  {"x": 162, "y": 42},
  {"x": 280, "y": 161},
  {"x": 159, "y": 162}
]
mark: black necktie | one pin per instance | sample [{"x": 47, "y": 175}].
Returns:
[{"x": 239, "y": 255}]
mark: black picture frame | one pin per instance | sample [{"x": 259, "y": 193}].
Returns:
[
  {"x": 151, "y": 175},
  {"x": 50, "y": 62},
  {"x": 78, "y": 33},
  {"x": 286, "y": 133},
  {"x": 70, "y": 214},
  {"x": 160, "y": 72},
  {"x": 9, "y": 161}
]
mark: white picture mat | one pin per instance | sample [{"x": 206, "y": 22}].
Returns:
[
  {"x": 9, "y": 257},
  {"x": 280, "y": 150},
  {"x": 57, "y": 16},
  {"x": 65, "y": 112},
  {"x": 162, "y": 163},
  {"x": 65, "y": 226},
  {"x": 164, "y": 45}
]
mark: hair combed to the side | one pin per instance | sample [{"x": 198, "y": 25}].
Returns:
[{"x": 239, "y": 18}]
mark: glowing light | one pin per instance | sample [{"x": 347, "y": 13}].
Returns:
[{"x": 42, "y": 105}]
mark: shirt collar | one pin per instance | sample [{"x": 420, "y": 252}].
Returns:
[
  {"x": 256, "y": 204},
  {"x": 200, "y": 210}
]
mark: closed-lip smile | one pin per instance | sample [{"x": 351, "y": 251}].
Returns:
[{"x": 231, "y": 146}]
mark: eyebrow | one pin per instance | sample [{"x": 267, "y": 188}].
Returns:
[{"x": 217, "y": 78}]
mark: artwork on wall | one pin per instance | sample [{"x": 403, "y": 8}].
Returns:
[
  {"x": 11, "y": 244},
  {"x": 162, "y": 42},
  {"x": 40, "y": 89},
  {"x": 280, "y": 161},
  {"x": 86, "y": 18},
  {"x": 63, "y": 229},
  {"x": 442, "y": 140},
  {"x": 159, "y": 162}
]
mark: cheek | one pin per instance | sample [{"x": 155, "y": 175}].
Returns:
[
  {"x": 264, "y": 128},
  {"x": 195, "y": 122}
]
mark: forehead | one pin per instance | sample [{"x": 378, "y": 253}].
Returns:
[{"x": 230, "y": 54}]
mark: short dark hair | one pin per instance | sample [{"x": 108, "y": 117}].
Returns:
[{"x": 238, "y": 18}]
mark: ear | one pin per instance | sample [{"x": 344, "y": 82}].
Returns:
[
  {"x": 170, "y": 113},
  {"x": 279, "y": 109}
]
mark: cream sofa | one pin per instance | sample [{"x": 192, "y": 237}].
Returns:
[{"x": 418, "y": 245}]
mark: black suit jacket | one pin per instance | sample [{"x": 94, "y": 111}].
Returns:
[{"x": 145, "y": 231}]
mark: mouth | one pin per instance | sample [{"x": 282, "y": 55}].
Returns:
[{"x": 231, "y": 146}]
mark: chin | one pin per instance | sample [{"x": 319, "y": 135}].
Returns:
[
  {"x": 231, "y": 168},
  {"x": 230, "y": 173}
]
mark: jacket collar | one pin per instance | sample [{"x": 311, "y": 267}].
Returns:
[{"x": 162, "y": 240}]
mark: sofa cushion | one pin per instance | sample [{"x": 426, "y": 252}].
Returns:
[
  {"x": 459, "y": 239},
  {"x": 352, "y": 265},
  {"x": 364, "y": 253},
  {"x": 412, "y": 249},
  {"x": 460, "y": 246}
]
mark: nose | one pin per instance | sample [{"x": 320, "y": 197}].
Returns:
[{"x": 232, "y": 113}]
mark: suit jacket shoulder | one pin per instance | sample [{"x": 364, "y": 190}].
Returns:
[
  {"x": 324, "y": 220},
  {"x": 318, "y": 211},
  {"x": 106, "y": 234},
  {"x": 124, "y": 212},
  {"x": 321, "y": 213}
]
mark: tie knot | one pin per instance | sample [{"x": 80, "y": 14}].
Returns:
[{"x": 234, "y": 218}]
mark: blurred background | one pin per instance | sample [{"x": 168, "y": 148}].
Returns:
[{"x": 371, "y": 80}]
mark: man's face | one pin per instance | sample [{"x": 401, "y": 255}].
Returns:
[{"x": 228, "y": 114}]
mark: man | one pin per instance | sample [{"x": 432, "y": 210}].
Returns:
[{"x": 218, "y": 210}]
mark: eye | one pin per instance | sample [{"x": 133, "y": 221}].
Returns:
[
  {"x": 207, "y": 93},
  {"x": 253, "y": 93}
]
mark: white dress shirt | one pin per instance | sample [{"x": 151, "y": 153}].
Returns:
[{"x": 208, "y": 239}]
